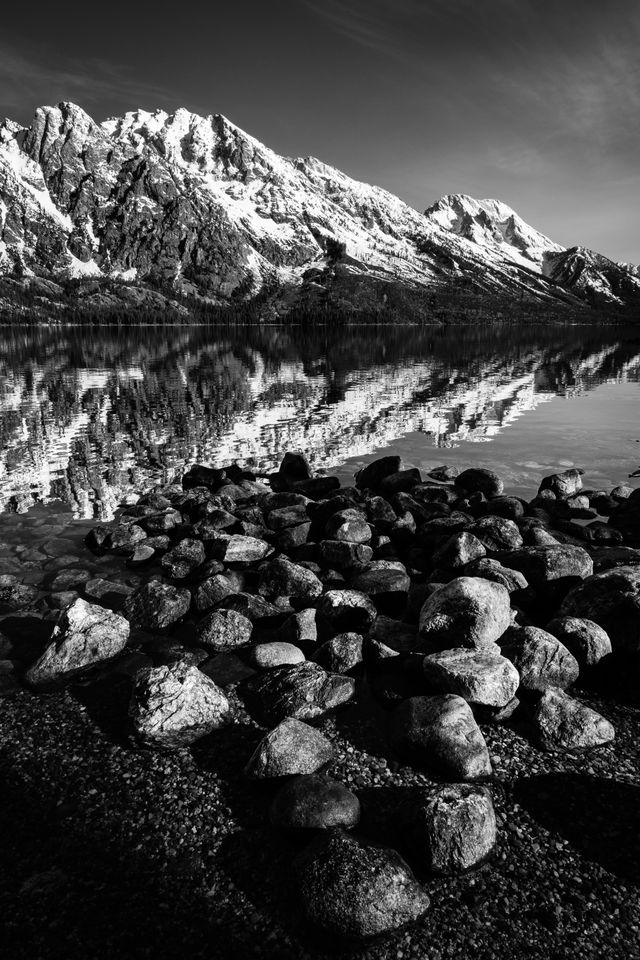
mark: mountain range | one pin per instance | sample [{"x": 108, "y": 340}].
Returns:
[{"x": 156, "y": 210}]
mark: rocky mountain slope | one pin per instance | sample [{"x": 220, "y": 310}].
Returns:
[{"x": 156, "y": 209}]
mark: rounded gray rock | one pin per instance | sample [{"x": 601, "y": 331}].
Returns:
[
  {"x": 291, "y": 748},
  {"x": 482, "y": 677},
  {"x": 467, "y": 612}
]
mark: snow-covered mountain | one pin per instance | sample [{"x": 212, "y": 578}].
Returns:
[{"x": 154, "y": 205}]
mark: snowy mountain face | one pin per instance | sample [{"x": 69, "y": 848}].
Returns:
[{"x": 195, "y": 206}]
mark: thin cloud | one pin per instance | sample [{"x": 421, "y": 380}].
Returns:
[{"x": 25, "y": 82}]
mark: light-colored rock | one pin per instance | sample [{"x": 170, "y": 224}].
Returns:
[
  {"x": 482, "y": 677},
  {"x": 562, "y": 723},
  {"x": 467, "y": 612},
  {"x": 291, "y": 748}
]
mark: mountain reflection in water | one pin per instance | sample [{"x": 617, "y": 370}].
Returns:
[{"x": 86, "y": 415}]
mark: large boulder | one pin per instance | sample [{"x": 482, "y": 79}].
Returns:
[
  {"x": 441, "y": 734},
  {"x": 314, "y": 802},
  {"x": 355, "y": 891},
  {"x": 562, "y": 723},
  {"x": 586, "y": 640},
  {"x": 157, "y": 605},
  {"x": 291, "y": 748},
  {"x": 454, "y": 828},
  {"x": 174, "y": 705},
  {"x": 612, "y": 600},
  {"x": 467, "y": 612},
  {"x": 304, "y": 691},
  {"x": 371, "y": 476},
  {"x": 482, "y": 677},
  {"x": 87, "y": 634},
  {"x": 540, "y": 659}
]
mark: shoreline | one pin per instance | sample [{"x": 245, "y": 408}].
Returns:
[{"x": 199, "y": 828}]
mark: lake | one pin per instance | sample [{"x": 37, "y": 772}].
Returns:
[{"x": 88, "y": 416}]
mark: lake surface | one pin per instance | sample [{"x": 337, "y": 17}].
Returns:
[{"x": 90, "y": 415}]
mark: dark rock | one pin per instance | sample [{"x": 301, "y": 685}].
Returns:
[
  {"x": 183, "y": 559},
  {"x": 467, "y": 612},
  {"x": 493, "y": 570},
  {"x": 401, "y": 481},
  {"x": 224, "y": 630},
  {"x": 344, "y": 611},
  {"x": 157, "y": 605},
  {"x": 541, "y": 565},
  {"x": 172, "y": 706},
  {"x": 15, "y": 595},
  {"x": 340, "y": 654},
  {"x": 87, "y": 634},
  {"x": 295, "y": 466},
  {"x": 511, "y": 508},
  {"x": 612, "y": 600},
  {"x": 443, "y": 473},
  {"x": 255, "y": 608},
  {"x": 355, "y": 891},
  {"x": 382, "y": 577},
  {"x": 400, "y": 637},
  {"x": 69, "y": 578},
  {"x": 98, "y": 589},
  {"x": 371, "y": 476},
  {"x": 479, "y": 480},
  {"x": 562, "y": 723},
  {"x": 482, "y": 677},
  {"x": 441, "y": 734},
  {"x": 304, "y": 692},
  {"x": 289, "y": 515},
  {"x": 124, "y": 537},
  {"x": 291, "y": 748},
  {"x": 98, "y": 537},
  {"x": 343, "y": 555},
  {"x": 314, "y": 802},
  {"x": 201, "y": 476},
  {"x": 586, "y": 640},
  {"x": 380, "y": 512},
  {"x": 540, "y": 659},
  {"x": 318, "y": 487},
  {"x": 282, "y": 578}
]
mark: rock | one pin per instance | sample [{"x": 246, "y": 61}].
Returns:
[
  {"x": 98, "y": 588},
  {"x": 482, "y": 677},
  {"x": 493, "y": 570},
  {"x": 86, "y": 635},
  {"x": 295, "y": 466},
  {"x": 172, "y": 706},
  {"x": 345, "y": 611},
  {"x": 317, "y": 488},
  {"x": 224, "y": 630},
  {"x": 343, "y": 555},
  {"x": 371, "y": 476},
  {"x": 612, "y": 600},
  {"x": 61, "y": 600},
  {"x": 68, "y": 579},
  {"x": 254, "y": 607},
  {"x": 467, "y": 612},
  {"x": 142, "y": 554},
  {"x": 212, "y": 591},
  {"x": 454, "y": 829},
  {"x": 496, "y": 533},
  {"x": 348, "y": 525},
  {"x": 444, "y": 473},
  {"x": 314, "y": 802},
  {"x": 400, "y": 637},
  {"x": 540, "y": 659},
  {"x": 562, "y": 723},
  {"x": 236, "y": 548},
  {"x": 157, "y": 605},
  {"x": 585, "y": 639},
  {"x": 300, "y": 627},
  {"x": 355, "y": 891},
  {"x": 564, "y": 484},
  {"x": 304, "y": 691},
  {"x": 264, "y": 656},
  {"x": 183, "y": 559},
  {"x": 511, "y": 508},
  {"x": 340, "y": 654},
  {"x": 400, "y": 482},
  {"x": 479, "y": 480},
  {"x": 289, "y": 749},
  {"x": 291, "y": 515},
  {"x": 15, "y": 595},
  {"x": 98, "y": 537},
  {"x": 123, "y": 538},
  {"x": 282, "y": 578},
  {"x": 459, "y": 550},
  {"x": 540, "y": 565},
  {"x": 440, "y": 734},
  {"x": 382, "y": 577}
]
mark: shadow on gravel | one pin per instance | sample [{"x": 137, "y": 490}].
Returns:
[
  {"x": 600, "y": 818},
  {"x": 68, "y": 889},
  {"x": 106, "y": 700}
]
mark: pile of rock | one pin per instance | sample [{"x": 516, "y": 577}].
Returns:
[{"x": 462, "y": 606}]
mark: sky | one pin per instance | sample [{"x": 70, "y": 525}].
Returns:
[{"x": 533, "y": 102}]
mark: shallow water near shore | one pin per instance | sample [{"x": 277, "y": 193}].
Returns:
[{"x": 88, "y": 416}]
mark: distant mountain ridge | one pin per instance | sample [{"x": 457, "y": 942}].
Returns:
[{"x": 150, "y": 208}]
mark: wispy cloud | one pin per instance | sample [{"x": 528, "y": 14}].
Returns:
[{"x": 29, "y": 81}]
